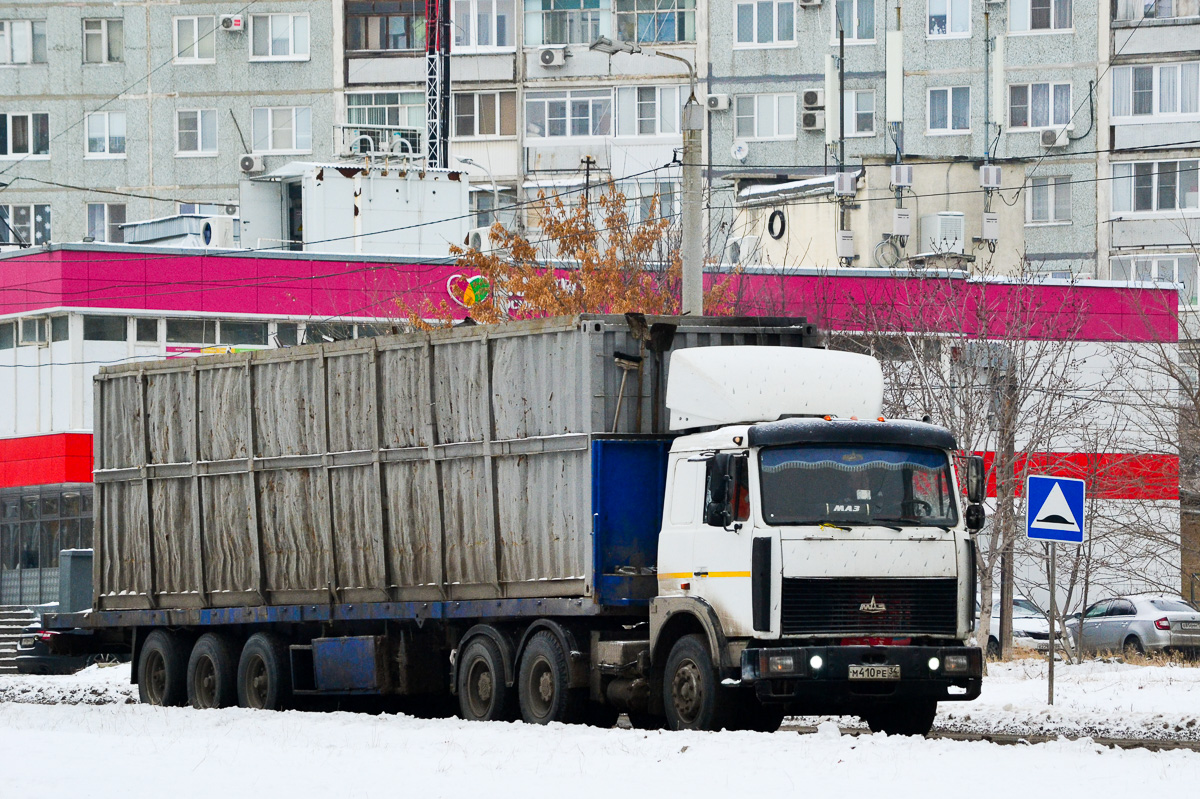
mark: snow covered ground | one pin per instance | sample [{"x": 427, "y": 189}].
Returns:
[{"x": 91, "y": 740}]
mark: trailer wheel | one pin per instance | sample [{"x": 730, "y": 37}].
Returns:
[
  {"x": 212, "y": 673},
  {"x": 912, "y": 718},
  {"x": 482, "y": 692},
  {"x": 692, "y": 695},
  {"x": 162, "y": 670},
  {"x": 264, "y": 676},
  {"x": 545, "y": 690}
]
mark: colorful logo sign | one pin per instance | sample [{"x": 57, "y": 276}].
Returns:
[{"x": 468, "y": 291}]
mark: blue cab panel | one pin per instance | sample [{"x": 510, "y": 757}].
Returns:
[{"x": 629, "y": 478}]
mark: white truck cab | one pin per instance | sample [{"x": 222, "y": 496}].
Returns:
[{"x": 826, "y": 544}]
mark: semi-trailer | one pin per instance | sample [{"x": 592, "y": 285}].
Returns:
[{"x": 702, "y": 523}]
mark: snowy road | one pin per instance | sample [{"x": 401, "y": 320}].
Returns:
[{"x": 128, "y": 750}]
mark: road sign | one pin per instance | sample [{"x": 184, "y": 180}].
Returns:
[{"x": 1054, "y": 509}]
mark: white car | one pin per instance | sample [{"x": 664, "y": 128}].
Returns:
[{"x": 1031, "y": 628}]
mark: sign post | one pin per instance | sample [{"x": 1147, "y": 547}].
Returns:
[{"x": 1054, "y": 512}]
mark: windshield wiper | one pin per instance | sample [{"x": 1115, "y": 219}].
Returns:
[
  {"x": 916, "y": 523},
  {"x": 834, "y": 525}
]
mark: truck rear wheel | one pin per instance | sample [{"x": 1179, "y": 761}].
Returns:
[
  {"x": 264, "y": 675},
  {"x": 912, "y": 718},
  {"x": 482, "y": 693},
  {"x": 692, "y": 695},
  {"x": 162, "y": 670},
  {"x": 212, "y": 673},
  {"x": 545, "y": 692}
]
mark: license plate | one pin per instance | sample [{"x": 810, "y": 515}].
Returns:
[
  {"x": 1190, "y": 625},
  {"x": 874, "y": 672}
]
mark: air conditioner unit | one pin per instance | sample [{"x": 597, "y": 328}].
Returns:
[
  {"x": 217, "y": 231},
  {"x": 989, "y": 177},
  {"x": 814, "y": 98},
  {"x": 809, "y": 3},
  {"x": 845, "y": 184},
  {"x": 717, "y": 102},
  {"x": 742, "y": 251},
  {"x": 812, "y": 120},
  {"x": 902, "y": 176},
  {"x": 1054, "y": 138},
  {"x": 477, "y": 238},
  {"x": 250, "y": 163},
  {"x": 234, "y": 23},
  {"x": 552, "y": 56},
  {"x": 231, "y": 209},
  {"x": 943, "y": 232}
]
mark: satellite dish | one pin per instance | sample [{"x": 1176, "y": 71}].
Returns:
[{"x": 740, "y": 150}]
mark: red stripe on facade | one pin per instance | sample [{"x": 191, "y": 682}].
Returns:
[
  {"x": 1107, "y": 475},
  {"x": 46, "y": 460}
]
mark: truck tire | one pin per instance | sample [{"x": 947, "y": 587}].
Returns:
[
  {"x": 482, "y": 693},
  {"x": 692, "y": 695},
  {"x": 912, "y": 718},
  {"x": 751, "y": 716},
  {"x": 212, "y": 673},
  {"x": 264, "y": 674},
  {"x": 162, "y": 670},
  {"x": 544, "y": 683}
]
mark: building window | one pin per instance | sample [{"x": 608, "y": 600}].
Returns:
[
  {"x": 24, "y": 134},
  {"x": 1160, "y": 90},
  {"x": 197, "y": 132},
  {"x": 195, "y": 40},
  {"x": 950, "y": 110},
  {"x": 769, "y": 22},
  {"x": 575, "y": 113},
  {"x": 1039, "y": 105},
  {"x": 856, "y": 18},
  {"x": 563, "y": 21},
  {"x": 1178, "y": 268},
  {"x": 661, "y": 21},
  {"x": 765, "y": 116},
  {"x": 205, "y": 209},
  {"x": 242, "y": 333},
  {"x": 1156, "y": 9},
  {"x": 649, "y": 110},
  {"x": 385, "y": 25},
  {"x": 103, "y": 41},
  {"x": 483, "y": 24},
  {"x": 649, "y": 200},
  {"x": 282, "y": 130},
  {"x": 146, "y": 330},
  {"x": 26, "y": 225},
  {"x": 105, "y": 220},
  {"x": 950, "y": 17},
  {"x": 1025, "y": 16},
  {"x": 859, "y": 109},
  {"x": 23, "y": 41},
  {"x": 191, "y": 331},
  {"x": 279, "y": 37},
  {"x": 60, "y": 328},
  {"x": 105, "y": 328},
  {"x": 105, "y": 134},
  {"x": 485, "y": 114},
  {"x": 1049, "y": 200},
  {"x": 491, "y": 207},
  {"x": 1155, "y": 186},
  {"x": 387, "y": 109}
]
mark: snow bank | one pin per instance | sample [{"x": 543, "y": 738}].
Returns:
[{"x": 95, "y": 685}]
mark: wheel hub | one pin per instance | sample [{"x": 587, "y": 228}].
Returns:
[{"x": 686, "y": 691}]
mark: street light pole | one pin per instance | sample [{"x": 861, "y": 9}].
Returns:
[{"x": 692, "y": 194}]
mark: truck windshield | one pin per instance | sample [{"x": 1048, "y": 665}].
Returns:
[{"x": 889, "y": 485}]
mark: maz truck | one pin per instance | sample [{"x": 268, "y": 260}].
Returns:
[{"x": 700, "y": 523}]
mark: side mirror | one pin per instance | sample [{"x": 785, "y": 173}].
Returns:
[
  {"x": 975, "y": 517},
  {"x": 976, "y": 477},
  {"x": 718, "y": 510}
]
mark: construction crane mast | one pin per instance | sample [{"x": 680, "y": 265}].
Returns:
[{"x": 437, "y": 83}]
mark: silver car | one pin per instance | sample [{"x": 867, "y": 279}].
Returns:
[{"x": 1139, "y": 624}]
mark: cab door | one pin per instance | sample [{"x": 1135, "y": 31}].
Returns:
[{"x": 721, "y": 546}]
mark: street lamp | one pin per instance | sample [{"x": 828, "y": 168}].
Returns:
[
  {"x": 495, "y": 191},
  {"x": 693, "y": 224}
]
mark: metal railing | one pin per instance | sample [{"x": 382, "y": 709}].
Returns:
[{"x": 378, "y": 140}]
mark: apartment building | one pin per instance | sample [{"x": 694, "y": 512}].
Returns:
[
  {"x": 946, "y": 86},
  {"x": 1149, "y": 201},
  {"x": 114, "y": 112}
]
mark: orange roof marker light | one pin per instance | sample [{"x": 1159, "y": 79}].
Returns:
[
  {"x": 881, "y": 419},
  {"x": 829, "y": 418}
]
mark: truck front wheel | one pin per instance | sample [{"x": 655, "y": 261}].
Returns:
[
  {"x": 264, "y": 674},
  {"x": 692, "y": 695},
  {"x": 162, "y": 670},
  {"x": 912, "y": 718}
]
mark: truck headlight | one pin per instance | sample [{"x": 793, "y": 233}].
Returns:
[
  {"x": 816, "y": 662},
  {"x": 957, "y": 664},
  {"x": 934, "y": 664},
  {"x": 781, "y": 664}
]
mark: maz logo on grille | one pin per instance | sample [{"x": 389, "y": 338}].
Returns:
[{"x": 872, "y": 606}]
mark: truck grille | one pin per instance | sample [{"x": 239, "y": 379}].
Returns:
[{"x": 902, "y": 607}]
